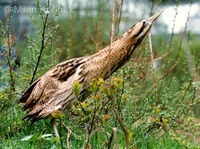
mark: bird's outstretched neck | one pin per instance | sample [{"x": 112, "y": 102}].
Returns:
[{"x": 112, "y": 57}]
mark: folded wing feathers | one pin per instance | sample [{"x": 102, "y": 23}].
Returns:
[{"x": 52, "y": 91}]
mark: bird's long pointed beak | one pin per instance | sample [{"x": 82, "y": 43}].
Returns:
[{"x": 152, "y": 19}]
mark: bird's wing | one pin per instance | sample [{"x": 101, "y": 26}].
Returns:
[
  {"x": 57, "y": 101},
  {"x": 64, "y": 70},
  {"x": 51, "y": 87},
  {"x": 28, "y": 91}
]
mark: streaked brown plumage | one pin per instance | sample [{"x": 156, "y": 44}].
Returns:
[{"x": 53, "y": 91}]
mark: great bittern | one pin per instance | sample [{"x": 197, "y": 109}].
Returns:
[{"x": 53, "y": 91}]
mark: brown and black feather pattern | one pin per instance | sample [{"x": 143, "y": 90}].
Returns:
[{"x": 53, "y": 91}]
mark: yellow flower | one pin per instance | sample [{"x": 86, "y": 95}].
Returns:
[
  {"x": 156, "y": 109},
  {"x": 85, "y": 104},
  {"x": 101, "y": 80},
  {"x": 164, "y": 121},
  {"x": 106, "y": 117},
  {"x": 57, "y": 114}
]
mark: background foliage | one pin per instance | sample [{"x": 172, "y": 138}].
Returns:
[{"x": 140, "y": 106}]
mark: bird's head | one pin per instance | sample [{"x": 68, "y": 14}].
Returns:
[{"x": 139, "y": 30}]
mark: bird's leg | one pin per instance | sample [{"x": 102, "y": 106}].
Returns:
[
  {"x": 68, "y": 135},
  {"x": 53, "y": 124}
]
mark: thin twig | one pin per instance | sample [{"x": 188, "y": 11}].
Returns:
[
  {"x": 68, "y": 134},
  {"x": 151, "y": 50},
  {"x": 152, "y": 56},
  {"x": 115, "y": 138},
  {"x": 110, "y": 141},
  {"x": 182, "y": 39},
  {"x": 87, "y": 135},
  {"x": 99, "y": 28},
  {"x": 111, "y": 96},
  {"x": 120, "y": 122},
  {"x": 12, "y": 83},
  {"x": 169, "y": 50},
  {"x": 119, "y": 18},
  {"x": 162, "y": 77},
  {"x": 112, "y": 29},
  {"x": 42, "y": 47},
  {"x": 61, "y": 144}
]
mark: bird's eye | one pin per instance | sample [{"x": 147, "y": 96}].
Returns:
[{"x": 144, "y": 22}]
